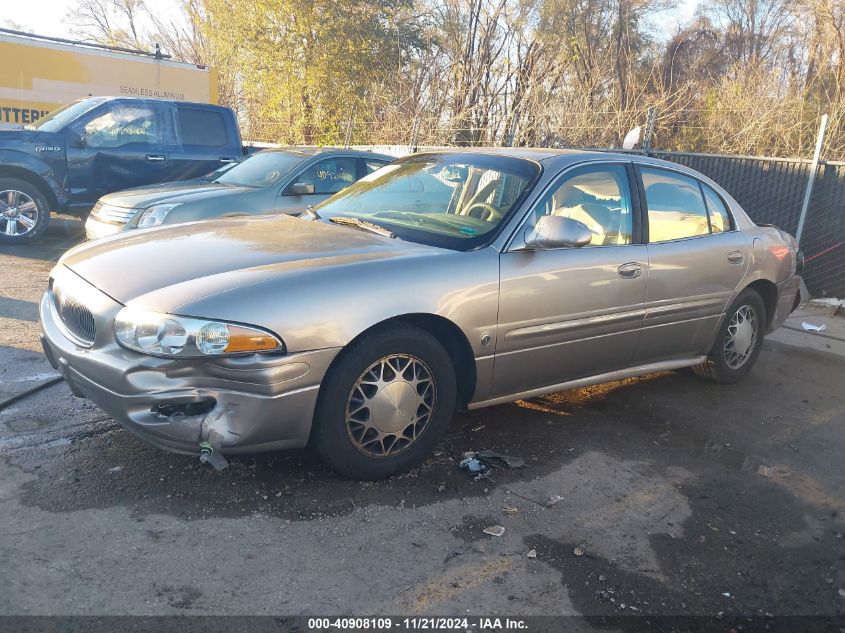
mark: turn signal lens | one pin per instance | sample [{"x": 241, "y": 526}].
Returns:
[{"x": 245, "y": 340}]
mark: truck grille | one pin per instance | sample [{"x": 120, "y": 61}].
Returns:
[
  {"x": 76, "y": 318},
  {"x": 112, "y": 214}
]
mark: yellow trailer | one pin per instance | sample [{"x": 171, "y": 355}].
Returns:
[{"x": 38, "y": 74}]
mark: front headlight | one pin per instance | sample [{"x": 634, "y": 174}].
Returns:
[
  {"x": 154, "y": 215},
  {"x": 169, "y": 335}
]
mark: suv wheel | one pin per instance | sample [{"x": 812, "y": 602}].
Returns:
[
  {"x": 24, "y": 212},
  {"x": 386, "y": 403}
]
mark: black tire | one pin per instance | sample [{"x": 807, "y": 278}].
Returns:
[
  {"x": 42, "y": 218},
  {"x": 717, "y": 367},
  {"x": 333, "y": 436}
]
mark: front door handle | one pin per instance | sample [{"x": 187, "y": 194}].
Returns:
[
  {"x": 227, "y": 159},
  {"x": 735, "y": 257},
  {"x": 631, "y": 270},
  {"x": 156, "y": 158}
]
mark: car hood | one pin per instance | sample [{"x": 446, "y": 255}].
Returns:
[
  {"x": 22, "y": 135},
  {"x": 180, "y": 192},
  {"x": 163, "y": 268}
]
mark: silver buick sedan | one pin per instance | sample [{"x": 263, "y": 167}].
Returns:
[{"x": 442, "y": 282}]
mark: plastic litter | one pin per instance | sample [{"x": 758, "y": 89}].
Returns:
[
  {"x": 499, "y": 460},
  {"x": 553, "y": 500},
  {"x": 812, "y": 327},
  {"x": 494, "y": 530},
  {"x": 472, "y": 466},
  {"x": 578, "y": 551},
  {"x": 532, "y": 554}
]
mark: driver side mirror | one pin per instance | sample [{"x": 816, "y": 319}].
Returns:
[
  {"x": 300, "y": 189},
  {"x": 78, "y": 140},
  {"x": 557, "y": 231}
]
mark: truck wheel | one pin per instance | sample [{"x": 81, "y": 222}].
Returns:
[
  {"x": 385, "y": 404},
  {"x": 24, "y": 212},
  {"x": 738, "y": 342}
]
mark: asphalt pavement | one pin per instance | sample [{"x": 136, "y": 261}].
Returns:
[{"x": 658, "y": 495}]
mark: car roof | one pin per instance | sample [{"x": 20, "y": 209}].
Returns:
[
  {"x": 306, "y": 152},
  {"x": 557, "y": 158}
]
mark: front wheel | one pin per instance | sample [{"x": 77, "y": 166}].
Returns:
[
  {"x": 24, "y": 212},
  {"x": 738, "y": 342},
  {"x": 385, "y": 404}
]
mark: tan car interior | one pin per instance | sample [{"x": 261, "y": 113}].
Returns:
[{"x": 595, "y": 200}]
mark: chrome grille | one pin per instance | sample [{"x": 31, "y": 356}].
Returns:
[
  {"x": 76, "y": 318},
  {"x": 112, "y": 214}
]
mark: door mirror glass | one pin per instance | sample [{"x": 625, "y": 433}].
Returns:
[
  {"x": 301, "y": 189},
  {"x": 557, "y": 231},
  {"x": 77, "y": 140}
]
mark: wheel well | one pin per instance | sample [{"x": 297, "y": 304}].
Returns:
[
  {"x": 454, "y": 342},
  {"x": 35, "y": 180},
  {"x": 768, "y": 291}
]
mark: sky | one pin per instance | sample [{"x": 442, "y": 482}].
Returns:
[{"x": 46, "y": 17}]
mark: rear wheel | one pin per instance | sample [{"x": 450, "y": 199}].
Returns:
[
  {"x": 385, "y": 404},
  {"x": 24, "y": 212},
  {"x": 738, "y": 342}
]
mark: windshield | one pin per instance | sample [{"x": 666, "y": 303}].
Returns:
[
  {"x": 455, "y": 201},
  {"x": 58, "y": 119},
  {"x": 215, "y": 174},
  {"x": 262, "y": 169}
]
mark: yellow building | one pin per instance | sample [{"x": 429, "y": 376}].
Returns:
[{"x": 38, "y": 74}]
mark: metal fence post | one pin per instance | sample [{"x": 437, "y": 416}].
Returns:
[
  {"x": 651, "y": 118},
  {"x": 348, "y": 140},
  {"x": 415, "y": 130},
  {"x": 814, "y": 166}
]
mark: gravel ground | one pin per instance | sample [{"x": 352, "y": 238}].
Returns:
[{"x": 680, "y": 496}]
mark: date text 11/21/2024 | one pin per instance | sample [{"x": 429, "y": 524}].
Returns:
[{"x": 420, "y": 623}]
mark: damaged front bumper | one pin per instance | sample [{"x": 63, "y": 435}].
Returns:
[{"x": 240, "y": 404}]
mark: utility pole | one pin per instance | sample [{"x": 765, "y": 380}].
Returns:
[{"x": 814, "y": 166}]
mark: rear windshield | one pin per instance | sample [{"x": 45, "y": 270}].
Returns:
[{"x": 263, "y": 169}]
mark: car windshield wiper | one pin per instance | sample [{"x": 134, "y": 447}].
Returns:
[
  {"x": 363, "y": 225},
  {"x": 310, "y": 210}
]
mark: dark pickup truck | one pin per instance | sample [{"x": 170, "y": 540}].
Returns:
[{"x": 68, "y": 159}]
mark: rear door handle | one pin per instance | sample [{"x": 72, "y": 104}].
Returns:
[
  {"x": 735, "y": 257},
  {"x": 631, "y": 270},
  {"x": 156, "y": 158},
  {"x": 227, "y": 159}
]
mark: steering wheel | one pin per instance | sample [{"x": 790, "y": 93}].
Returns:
[{"x": 488, "y": 211}]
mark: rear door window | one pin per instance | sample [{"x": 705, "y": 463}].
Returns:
[
  {"x": 720, "y": 219},
  {"x": 676, "y": 208},
  {"x": 370, "y": 165},
  {"x": 202, "y": 128}
]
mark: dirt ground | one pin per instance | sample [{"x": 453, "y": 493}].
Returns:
[{"x": 683, "y": 497}]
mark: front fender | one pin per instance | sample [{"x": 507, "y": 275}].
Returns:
[
  {"x": 52, "y": 172},
  {"x": 329, "y": 306}
]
